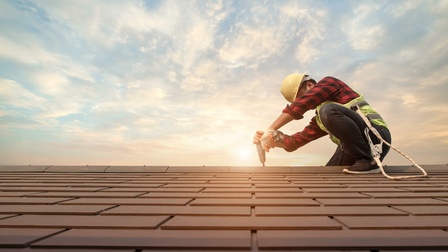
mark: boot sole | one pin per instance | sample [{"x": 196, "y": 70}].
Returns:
[{"x": 374, "y": 171}]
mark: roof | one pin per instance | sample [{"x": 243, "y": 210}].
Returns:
[{"x": 153, "y": 208}]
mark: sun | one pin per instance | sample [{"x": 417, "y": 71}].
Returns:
[{"x": 244, "y": 153}]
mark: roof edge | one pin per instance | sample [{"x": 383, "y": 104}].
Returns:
[{"x": 205, "y": 169}]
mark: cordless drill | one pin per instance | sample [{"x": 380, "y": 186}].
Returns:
[
  {"x": 261, "y": 154},
  {"x": 278, "y": 138}
]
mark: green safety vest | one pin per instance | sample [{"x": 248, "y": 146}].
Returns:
[{"x": 368, "y": 111}]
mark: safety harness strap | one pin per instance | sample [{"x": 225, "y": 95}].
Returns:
[
  {"x": 363, "y": 103},
  {"x": 377, "y": 149}
]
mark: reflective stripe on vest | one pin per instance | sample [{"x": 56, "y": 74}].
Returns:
[{"x": 368, "y": 111}]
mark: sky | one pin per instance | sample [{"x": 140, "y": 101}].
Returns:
[{"x": 187, "y": 83}]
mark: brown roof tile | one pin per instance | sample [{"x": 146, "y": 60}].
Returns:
[
  {"x": 395, "y": 222},
  {"x": 179, "y": 210},
  {"x": 23, "y": 237},
  {"x": 148, "y": 239},
  {"x": 250, "y": 223},
  {"x": 328, "y": 211},
  {"x": 371, "y": 240},
  {"x": 78, "y": 221},
  {"x": 161, "y": 208}
]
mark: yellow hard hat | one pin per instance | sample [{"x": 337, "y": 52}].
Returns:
[{"x": 291, "y": 85}]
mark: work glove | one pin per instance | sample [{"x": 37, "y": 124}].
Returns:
[
  {"x": 257, "y": 137},
  {"x": 269, "y": 139}
]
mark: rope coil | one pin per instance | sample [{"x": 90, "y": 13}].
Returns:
[{"x": 376, "y": 150}]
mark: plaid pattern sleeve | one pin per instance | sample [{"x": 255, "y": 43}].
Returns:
[
  {"x": 309, "y": 133},
  {"x": 327, "y": 89}
]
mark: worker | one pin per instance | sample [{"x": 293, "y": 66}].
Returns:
[{"x": 334, "y": 102}]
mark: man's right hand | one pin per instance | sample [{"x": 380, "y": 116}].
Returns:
[
  {"x": 265, "y": 138},
  {"x": 257, "y": 137}
]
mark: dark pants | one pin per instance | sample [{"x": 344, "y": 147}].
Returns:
[{"x": 348, "y": 127}]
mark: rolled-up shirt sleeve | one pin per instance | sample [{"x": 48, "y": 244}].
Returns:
[{"x": 288, "y": 110}]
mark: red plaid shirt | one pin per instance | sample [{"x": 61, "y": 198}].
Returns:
[{"x": 327, "y": 89}]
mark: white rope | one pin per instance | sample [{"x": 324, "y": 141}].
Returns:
[{"x": 376, "y": 150}]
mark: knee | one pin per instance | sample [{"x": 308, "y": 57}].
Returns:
[{"x": 327, "y": 113}]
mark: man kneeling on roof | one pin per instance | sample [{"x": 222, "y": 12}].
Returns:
[{"x": 332, "y": 99}]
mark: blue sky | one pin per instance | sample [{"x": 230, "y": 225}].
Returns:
[{"x": 189, "y": 82}]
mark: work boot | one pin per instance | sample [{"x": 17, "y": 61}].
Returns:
[{"x": 362, "y": 167}]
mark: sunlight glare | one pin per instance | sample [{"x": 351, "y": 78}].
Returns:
[{"x": 244, "y": 153}]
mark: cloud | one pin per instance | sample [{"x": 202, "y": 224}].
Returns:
[
  {"x": 306, "y": 24},
  {"x": 400, "y": 8},
  {"x": 89, "y": 21},
  {"x": 21, "y": 108},
  {"x": 14, "y": 94},
  {"x": 25, "y": 52},
  {"x": 362, "y": 33},
  {"x": 251, "y": 46}
]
